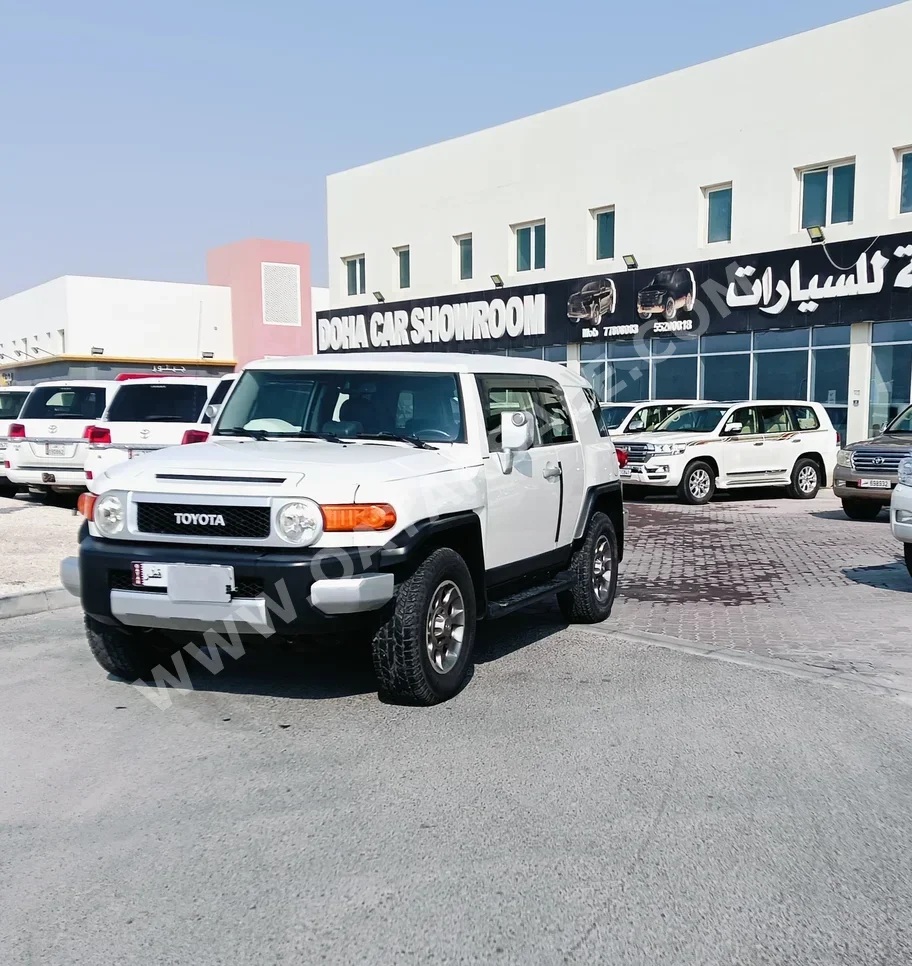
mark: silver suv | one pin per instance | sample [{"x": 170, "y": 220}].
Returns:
[{"x": 866, "y": 472}]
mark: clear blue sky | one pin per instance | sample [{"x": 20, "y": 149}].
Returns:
[{"x": 138, "y": 134}]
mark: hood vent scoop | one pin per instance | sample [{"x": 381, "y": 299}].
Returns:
[{"x": 198, "y": 478}]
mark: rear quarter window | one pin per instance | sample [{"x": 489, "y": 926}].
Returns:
[{"x": 805, "y": 417}]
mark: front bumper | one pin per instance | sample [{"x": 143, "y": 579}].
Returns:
[
  {"x": 901, "y": 513},
  {"x": 660, "y": 470},
  {"x": 847, "y": 485},
  {"x": 288, "y": 593}
]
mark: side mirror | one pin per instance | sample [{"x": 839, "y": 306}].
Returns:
[
  {"x": 637, "y": 426},
  {"x": 732, "y": 429},
  {"x": 212, "y": 411},
  {"x": 517, "y": 433}
]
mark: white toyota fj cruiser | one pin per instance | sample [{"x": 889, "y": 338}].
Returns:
[{"x": 403, "y": 495}]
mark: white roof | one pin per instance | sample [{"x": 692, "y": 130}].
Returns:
[
  {"x": 74, "y": 383},
  {"x": 729, "y": 404},
  {"x": 424, "y": 362},
  {"x": 209, "y": 382},
  {"x": 654, "y": 402}
]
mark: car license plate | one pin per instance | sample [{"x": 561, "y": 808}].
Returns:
[
  {"x": 625, "y": 471},
  {"x": 191, "y": 583},
  {"x": 874, "y": 484},
  {"x": 54, "y": 449}
]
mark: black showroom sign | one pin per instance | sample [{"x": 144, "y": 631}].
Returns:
[{"x": 833, "y": 284}]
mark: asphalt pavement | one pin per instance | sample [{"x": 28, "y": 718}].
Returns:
[{"x": 585, "y": 800}]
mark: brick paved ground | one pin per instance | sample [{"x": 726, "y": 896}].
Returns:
[{"x": 782, "y": 578}]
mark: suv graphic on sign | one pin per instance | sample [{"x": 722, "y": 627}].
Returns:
[
  {"x": 593, "y": 300},
  {"x": 669, "y": 290}
]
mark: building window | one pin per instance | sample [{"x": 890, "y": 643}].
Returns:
[
  {"x": 530, "y": 246},
  {"x": 354, "y": 274},
  {"x": 828, "y": 190},
  {"x": 891, "y": 372},
  {"x": 464, "y": 254},
  {"x": 404, "y": 265},
  {"x": 905, "y": 182},
  {"x": 719, "y": 214},
  {"x": 604, "y": 233}
]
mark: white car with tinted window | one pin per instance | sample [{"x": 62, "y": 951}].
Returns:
[
  {"x": 48, "y": 442},
  {"x": 901, "y": 510},
  {"x": 710, "y": 446},
  {"x": 149, "y": 414},
  {"x": 11, "y": 403},
  {"x": 639, "y": 417}
]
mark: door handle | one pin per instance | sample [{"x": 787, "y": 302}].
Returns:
[
  {"x": 759, "y": 444},
  {"x": 551, "y": 472}
]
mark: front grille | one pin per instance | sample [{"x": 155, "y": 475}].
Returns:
[
  {"x": 123, "y": 580},
  {"x": 636, "y": 452},
  {"x": 246, "y": 522},
  {"x": 878, "y": 460},
  {"x": 649, "y": 300}
]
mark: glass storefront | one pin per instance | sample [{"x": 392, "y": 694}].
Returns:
[
  {"x": 891, "y": 372},
  {"x": 787, "y": 364}
]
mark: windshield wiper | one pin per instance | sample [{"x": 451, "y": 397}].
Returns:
[
  {"x": 396, "y": 438},
  {"x": 263, "y": 434},
  {"x": 240, "y": 431},
  {"x": 326, "y": 437}
]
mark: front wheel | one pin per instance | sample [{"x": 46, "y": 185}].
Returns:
[
  {"x": 805, "y": 480},
  {"x": 698, "y": 484},
  {"x": 595, "y": 573},
  {"x": 423, "y": 653},
  {"x": 130, "y": 655},
  {"x": 907, "y": 553},
  {"x": 671, "y": 310},
  {"x": 861, "y": 509}
]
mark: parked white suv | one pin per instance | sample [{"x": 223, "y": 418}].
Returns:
[
  {"x": 403, "y": 496},
  {"x": 901, "y": 510},
  {"x": 639, "y": 417},
  {"x": 727, "y": 445},
  {"x": 11, "y": 403},
  {"x": 146, "y": 415},
  {"x": 48, "y": 442}
]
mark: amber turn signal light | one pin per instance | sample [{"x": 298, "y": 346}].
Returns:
[
  {"x": 343, "y": 517},
  {"x": 86, "y": 505}
]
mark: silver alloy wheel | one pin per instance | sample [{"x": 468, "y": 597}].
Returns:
[
  {"x": 602, "y": 569},
  {"x": 807, "y": 479},
  {"x": 445, "y": 626},
  {"x": 699, "y": 484}
]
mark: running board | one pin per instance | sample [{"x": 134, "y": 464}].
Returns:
[{"x": 500, "y": 608}]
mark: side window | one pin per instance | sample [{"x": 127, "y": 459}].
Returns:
[
  {"x": 597, "y": 415},
  {"x": 774, "y": 419},
  {"x": 805, "y": 417},
  {"x": 653, "y": 415},
  {"x": 748, "y": 420},
  {"x": 551, "y": 414},
  {"x": 503, "y": 394}
]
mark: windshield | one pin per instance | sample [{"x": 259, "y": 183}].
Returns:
[
  {"x": 662, "y": 278},
  {"x": 11, "y": 403},
  {"x": 143, "y": 402},
  {"x": 692, "y": 421},
  {"x": 64, "y": 402},
  {"x": 613, "y": 416},
  {"x": 345, "y": 404},
  {"x": 902, "y": 423}
]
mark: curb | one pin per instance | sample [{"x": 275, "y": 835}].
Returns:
[{"x": 36, "y": 602}]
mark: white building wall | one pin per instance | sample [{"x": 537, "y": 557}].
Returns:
[
  {"x": 30, "y": 322},
  {"x": 753, "y": 119}
]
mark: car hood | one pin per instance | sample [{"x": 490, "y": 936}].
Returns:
[
  {"x": 311, "y": 464},
  {"x": 901, "y": 441}
]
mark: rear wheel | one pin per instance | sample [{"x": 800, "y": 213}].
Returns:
[
  {"x": 423, "y": 653},
  {"x": 698, "y": 484},
  {"x": 129, "y": 654},
  {"x": 8, "y": 489},
  {"x": 907, "y": 553},
  {"x": 595, "y": 571},
  {"x": 805, "y": 480},
  {"x": 861, "y": 509}
]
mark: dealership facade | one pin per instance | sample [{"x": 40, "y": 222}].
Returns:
[{"x": 739, "y": 229}]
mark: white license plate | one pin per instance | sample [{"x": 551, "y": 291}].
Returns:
[
  {"x": 187, "y": 582},
  {"x": 874, "y": 484},
  {"x": 54, "y": 449},
  {"x": 625, "y": 471}
]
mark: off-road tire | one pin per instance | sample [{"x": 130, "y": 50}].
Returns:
[
  {"x": 401, "y": 662},
  {"x": 685, "y": 493},
  {"x": 794, "y": 490},
  {"x": 671, "y": 310},
  {"x": 130, "y": 655},
  {"x": 8, "y": 489},
  {"x": 581, "y": 605},
  {"x": 907, "y": 553},
  {"x": 862, "y": 509}
]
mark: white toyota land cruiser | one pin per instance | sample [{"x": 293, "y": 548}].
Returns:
[{"x": 402, "y": 495}]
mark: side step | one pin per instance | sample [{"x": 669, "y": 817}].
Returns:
[{"x": 506, "y": 605}]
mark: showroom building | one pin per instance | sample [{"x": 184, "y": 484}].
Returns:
[{"x": 738, "y": 229}]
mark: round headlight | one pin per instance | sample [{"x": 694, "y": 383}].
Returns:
[
  {"x": 109, "y": 515},
  {"x": 300, "y": 523}
]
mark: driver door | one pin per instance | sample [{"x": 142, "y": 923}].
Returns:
[{"x": 522, "y": 507}]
